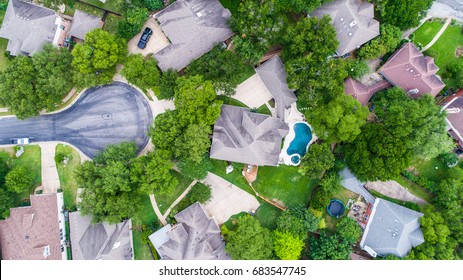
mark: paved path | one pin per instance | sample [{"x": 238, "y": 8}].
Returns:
[
  {"x": 101, "y": 116},
  {"x": 156, "y": 210},
  {"x": 394, "y": 190},
  {"x": 177, "y": 201},
  {"x": 50, "y": 179},
  {"x": 434, "y": 40},
  {"x": 227, "y": 199}
]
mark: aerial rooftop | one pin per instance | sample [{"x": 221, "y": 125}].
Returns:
[
  {"x": 454, "y": 109},
  {"x": 410, "y": 70},
  {"x": 354, "y": 23},
  {"x": 193, "y": 28},
  {"x": 82, "y": 23}
]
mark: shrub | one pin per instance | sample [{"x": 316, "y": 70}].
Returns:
[
  {"x": 153, "y": 5},
  {"x": 450, "y": 159},
  {"x": 59, "y": 157},
  {"x": 200, "y": 193}
]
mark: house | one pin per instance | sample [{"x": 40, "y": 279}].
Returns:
[
  {"x": 391, "y": 230},
  {"x": 193, "y": 27},
  {"x": 362, "y": 92},
  {"x": 454, "y": 109},
  {"x": 354, "y": 23},
  {"x": 243, "y": 136},
  {"x": 194, "y": 237},
  {"x": 35, "y": 232},
  {"x": 410, "y": 70},
  {"x": 352, "y": 183},
  {"x": 82, "y": 23},
  {"x": 28, "y": 27},
  {"x": 273, "y": 75},
  {"x": 100, "y": 241}
]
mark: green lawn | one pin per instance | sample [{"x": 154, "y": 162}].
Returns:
[
  {"x": 235, "y": 177},
  {"x": 111, "y": 23},
  {"x": 4, "y": 61},
  {"x": 70, "y": 9},
  {"x": 410, "y": 205},
  {"x": 443, "y": 50},
  {"x": 230, "y": 101},
  {"x": 249, "y": 71},
  {"x": 263, "y": 110},
  {"x": 31, "y": 159},
  {"x": 267, "y": 215},
  {"x": 66, "y": 173},
  {"x": 110, "y": 5},
  {"x": 427, "y": 31},
  {"x": 414, "y": 188},
  {"x": 434, "y": 170},
  {"x": 285, "y": 184},
  {"x": 232, "y": 5},
  {"x": 164, "y": 201},
  {"x": 147, "y": 217}
]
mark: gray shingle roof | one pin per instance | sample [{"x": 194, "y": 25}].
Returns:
[
  {"x": 392, "y": 229},
  {"x": 194, "y": 237},
  {"x": 353, "y": 20},
  {"x": 193, "y": 28},
  {"x": 27, "y": 27},
  {"x": 246, "y": 137},
  {"x": 350, "y": 182},
  {"x": 82, "y": 23},
  {"x": 101, "y": 241},
  {"x": 273, "y": 75}
]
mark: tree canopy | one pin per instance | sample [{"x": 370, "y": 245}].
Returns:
[
  {"x": 404, "y": 14},
  {"x": 140, "y": 71},
  {"x": 390, "y": 37},
  {"x": 328, "y": 247},
  {"x": 287, "y": 245},
  {"x": 19, "y": 179},
  {"x": 317, "y": 161},
  {"x": 299, "y": 6}
]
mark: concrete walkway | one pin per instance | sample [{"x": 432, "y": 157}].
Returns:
[
  {"x": 177, "y": 201},
  {"x": 156, "y": 210},
  {"x": 393, "y": 189},
  {"x": 227, "y": 199},
  {"x": 434, "y": 40},
  {"x": 50, "y": 179},
  {"x": 252, "y": 92}
]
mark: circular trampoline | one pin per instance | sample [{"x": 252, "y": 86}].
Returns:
[{"x": 335, "y": 208}]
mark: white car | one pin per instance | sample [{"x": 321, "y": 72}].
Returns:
[{"x": 20, "y": 141}]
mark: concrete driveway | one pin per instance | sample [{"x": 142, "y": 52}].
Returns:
[
  {"x": 394, "y": 190},
  {"x": 227, "y": 199},
  {"x": 103, "y": 115},
  {"x": 157, "y": 42},
  {"x": 50, "y": 179},
  {"x": 252, "y": 92}
]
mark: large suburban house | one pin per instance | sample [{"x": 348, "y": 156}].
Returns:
[
  {"x": 362, "y": 92},
  {"x": 35, "y": 232},
  {"x": 28, "y": 27},
  {"x": 273, "y": 75},
  {"x": 194, "y": 237},
  {"x": 193, "y": 27},
  {"x": 454, "y": 109},
  {"x": 246, "y": 137},
  {"x": 410, "y": 70},
  {"x": 82, "y": 23},
  {"x": 100, "y": 241},
  {"x": 391, "y": 230},
  {"x": 354, "y": 23}
]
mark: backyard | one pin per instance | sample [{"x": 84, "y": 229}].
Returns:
[
  {"x": 146, "y": 216},
  {"x": 111, "y": 23},
  {"x": 66, "y": 173},
  {"x": 32, "y": 161}
]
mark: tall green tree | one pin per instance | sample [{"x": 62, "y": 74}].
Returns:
[
  {"x": 390, "y": 37},
  {"x": 19, "y": 179},
  {"x": 455, "y": 68},
  {"x": 287, "y": 245},
  {"x": 298, "y": 220},
  {"x": 141, "y": 72},
  {"x": 299, "y": 6},
  {"x": 317, "y": 161},
  {"x": 6, "y": 202},
  {"x": 167, "y": 84},
  {"x": 194, "y": 170},
  {"x": 194, "y": 143},
  {"x": 249, "y": 241},
  {"x": 349, "y": 230},
  {"x": 328, "y": 247},
  {"x": 404, "y": 14},
  {"x": 133, "y": 21},
  {"x": 165, "y": 131}
]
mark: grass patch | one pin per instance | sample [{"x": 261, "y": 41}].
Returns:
[
  {"x": 434, "y": 170},
  {"x": 443, "y": 51},
  {"x": 110, "y": 5},
  {"x": 263, "y": 110},
  {"x": 31, "y": 159},
  {"x": 66, "y": 173},
  {"x": 165, "y": 201},
  {"x": 427, "y": 31},
  {"x": 70, "y": 10},
  {"x": 247, "y": 73},
  {"x": 231, "y": 223},
  {"x": 111, "y": 23},
  {"x": 343, "y": 195},
  {"x": 407, "y": 204},
  {"x": 285, "y": 184},
  {"x": 148, "y": 217},
  {"x": 235, "y": 177},
  {"x": 232, "y": 5},
  {"x": 415, "y": 189},
  {"x": 267, "y": 215},
  {"x": 4, "y": 61},
  {"x": 230, "y": 101}
]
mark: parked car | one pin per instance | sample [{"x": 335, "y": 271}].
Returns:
[
  {"x": 145, "y": 37},
  {"x": 20, "y": 141}
]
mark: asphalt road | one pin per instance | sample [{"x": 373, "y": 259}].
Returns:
[
  {"x": 455, "y": 4},
  {"x": 104, "y": 115}
]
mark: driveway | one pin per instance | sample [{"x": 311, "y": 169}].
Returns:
[
  {"x": 157, "y": 42},
  {"x": 227, "y": 199},
  {"x": 102, "y": 115},
  {"x": 447, "y": 8},
  {"x": 50, "y": 179},
  {"x": 252, "y": 92},
  {"x": 394, "y": 190}
]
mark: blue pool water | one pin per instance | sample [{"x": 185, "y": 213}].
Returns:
[{"x": 299, "y": 144}]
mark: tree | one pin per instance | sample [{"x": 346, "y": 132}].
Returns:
[
  {"x": 317, "y": 161},
  {"x": 328, "y": 186},
  {"x": 357, "y": 68},
  {"x": 299, "y": 6},
  {"x": 340, "y": 120},
  {"x": 221, "y": 66},
  {"x": 167, "y": 84},
  {"x": 298, "y": 220},
  {"x": 153, "y": 5},
  {"x": 193, "y": 143},
  {"x": 388, "y": 41},
  {"x": 19, "y": 179},
  {"x": 132, "y": 23},
  {"x": 6, "y": 202},
  {"x": 287, "y": 245},
  {"x": 195, "y": 170},
  {"x": 141, "y": 72},
  {"x": 153, "y": 173},
  {"x": 199, "y": 193},
  {"x": 195, "y": 101},
  {"x": 249, "y": 241},
  {"x": 450, "y": 159},
  {"x": 109, "y": 191},
  {"x": 165, "y": 130},
  {"x": 455, "y": 68},
  {"x": 404, "y": 14},
  {"x": 348, "y": 230},
  {"x": 95, "y": 60},
  {"x": 329, "y": 248}
]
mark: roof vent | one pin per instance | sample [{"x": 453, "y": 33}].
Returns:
[
  {"x": 353, "y": 23},
  {"x": 342, "y": 19},
  {"x": 414, "y": 91},
  {"x": 350, "y": 33},
  {"x": 199, "y": 14}
]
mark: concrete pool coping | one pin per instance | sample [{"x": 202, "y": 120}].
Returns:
[{"x": 284, "y": 157}]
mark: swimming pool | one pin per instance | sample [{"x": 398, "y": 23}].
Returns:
[{"x": 298, "y": 146}]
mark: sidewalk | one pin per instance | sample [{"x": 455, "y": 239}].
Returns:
[
  {"x": 434, "y": 40},
  {"x": 50, "y": 179}
]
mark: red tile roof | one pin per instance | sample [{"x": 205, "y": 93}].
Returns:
[
  {"x": 409, "y": 69},
  {"x": 361, "y": 92},
  {"x": 32, "y": 232}
]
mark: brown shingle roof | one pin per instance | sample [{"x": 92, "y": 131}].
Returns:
[
  {"x": 410, "y": 70},
  {"x": 361, "y": 92},
  {"x": 32, "y": 232}
]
